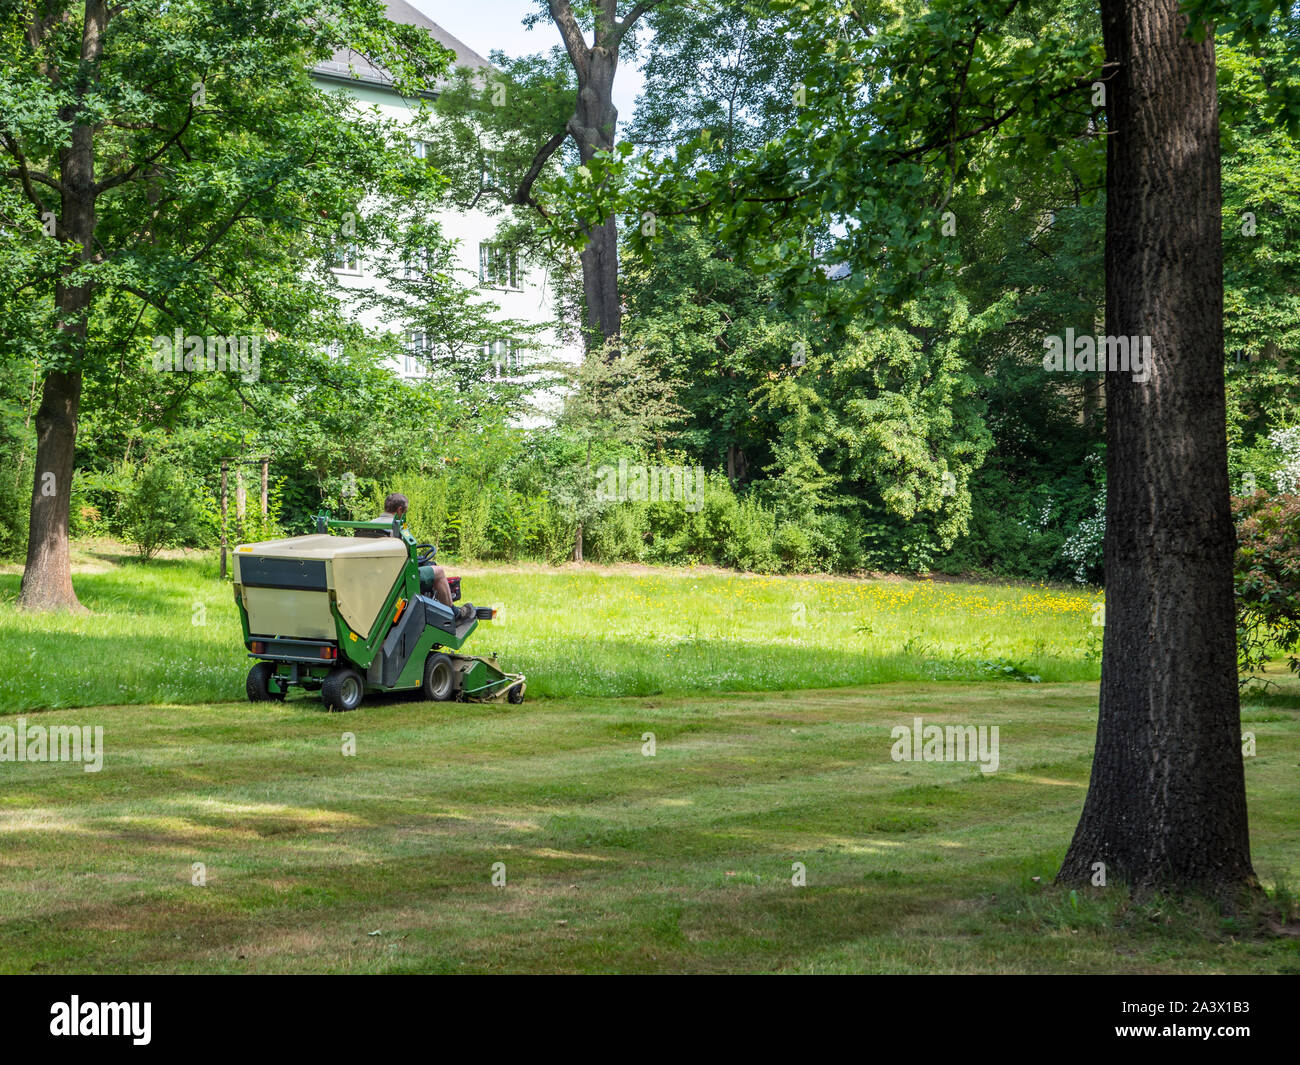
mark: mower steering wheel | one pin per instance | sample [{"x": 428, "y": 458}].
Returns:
[{"x": 424, "y": 557}]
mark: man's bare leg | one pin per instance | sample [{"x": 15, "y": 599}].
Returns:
[
  {"x": 441, "y": 589},
  {"x": 442, "y": 593}
]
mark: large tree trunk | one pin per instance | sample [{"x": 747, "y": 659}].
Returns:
[
  {"x": 600, "y": 285},
  {"x": 47, "y": 576},
  {"x": 593, "y": 125},
  {"x": 1166, "y": 806}
]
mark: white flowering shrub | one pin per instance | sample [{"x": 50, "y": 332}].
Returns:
[
  {"x": 1083, "y": 548},
  {"x": 1287, "y": 441}
]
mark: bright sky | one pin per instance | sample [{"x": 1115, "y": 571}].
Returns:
[{"x": 486, "y": 25}]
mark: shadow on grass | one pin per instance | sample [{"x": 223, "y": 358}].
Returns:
[{"x": 1273, "y": 698}]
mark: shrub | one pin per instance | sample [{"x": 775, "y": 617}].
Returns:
[
  {"x": 252, "y": 528},
  {"x": 1083, "y": 549},
  {"x": 616, "y": 534},
  {"x": 1266, "y": 578},
  {"x": 15, "y": 509},
  {"x": 893, "y": 545},
  {"x": 517, "y": 523},
  {"x": 469, "y": 524},
  {"x": 752, "y": 543},
  {"x": 1287, "y": 476},
  {"x": 160, "y": 510},
  {"x": 97, "y": 497},
  {"x": 725, "y": 530},
  {"x": 795, "y": 549},
  {"x": 832, "y": 544},
  {"x": 555, "y": 530}
]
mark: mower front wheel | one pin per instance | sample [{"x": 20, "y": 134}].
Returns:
[
  {"x": 342, "y": 689},
  {"x": 258, "y": 685},
  {"x": 439, "y": 678}
]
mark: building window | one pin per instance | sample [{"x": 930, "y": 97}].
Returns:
[
  {"x": 498, "y": 267},
  {"x": 417, "y": 264},
  {"x": 345, "y": 259},
  {"x": 422, "y": 149},
  {"x": 503, "y": 354},
  {"x": 415, "y": 355},
  {"x": 494, "y": 175}
]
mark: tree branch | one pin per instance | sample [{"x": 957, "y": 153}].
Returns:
[
  {"x": 35, "y": 175},
  {"x": 629, "y": 20},
  {"x": 524, "y": 194},
  {"x": 127, "y": 175},
  {"x": 571, "y": 32},
  {"x": 27, "y": 176}
]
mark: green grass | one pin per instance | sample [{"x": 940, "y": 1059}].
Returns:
[
  {"x": 168, "y": 632},
  {"x": 614, "y": 861}
]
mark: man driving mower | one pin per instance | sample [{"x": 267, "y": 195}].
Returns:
[{"x": 395, "y": 505}]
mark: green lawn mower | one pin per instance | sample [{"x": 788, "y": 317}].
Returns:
[{"x": 351, "y": 614}]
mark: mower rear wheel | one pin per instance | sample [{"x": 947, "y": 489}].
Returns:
[
  {"x": 516, "y": 694},
  {"x": 439, "y": 678},
  {"x": 342, "y": 689},
  {"x": 258, "y": 685}
]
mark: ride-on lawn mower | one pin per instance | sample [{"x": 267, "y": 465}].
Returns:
[{"x": 354, "y": 614}]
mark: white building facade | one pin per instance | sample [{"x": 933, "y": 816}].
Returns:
[{"x": 521, "y": 293}]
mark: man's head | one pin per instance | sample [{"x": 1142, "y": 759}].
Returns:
[{"x": 395, "y": 504}]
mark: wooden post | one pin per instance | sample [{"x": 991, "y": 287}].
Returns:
[
  {"x": 241, "y": 501},
  {"x": 225, "y": 466},
  {"x": 266, "y": 462}
]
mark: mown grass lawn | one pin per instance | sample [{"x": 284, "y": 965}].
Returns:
[
  {"x": 168, "y": 632},
  {"x": 613, "y": 860}
]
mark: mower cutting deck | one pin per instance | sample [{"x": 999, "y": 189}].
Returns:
[{"x": 354, "y": 614}]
